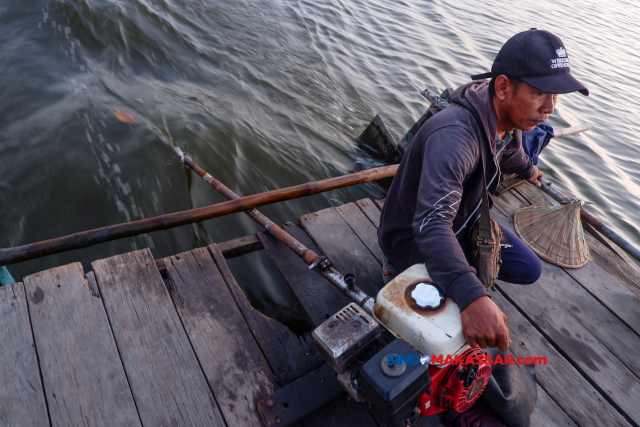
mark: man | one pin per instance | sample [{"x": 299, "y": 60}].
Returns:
[{"x": 435, "y": 197}]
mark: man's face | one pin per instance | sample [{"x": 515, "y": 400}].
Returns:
[{"x": 525, "y": 107}]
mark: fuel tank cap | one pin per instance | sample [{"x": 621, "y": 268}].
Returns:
[{"x": 427, "y": 296}]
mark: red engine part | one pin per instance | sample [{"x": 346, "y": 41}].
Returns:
[{"x": 457, "y": 386}]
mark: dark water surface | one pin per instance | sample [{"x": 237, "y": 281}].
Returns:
[{"x": 268, "y": 94}]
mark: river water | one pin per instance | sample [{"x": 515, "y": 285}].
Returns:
[{"x": 266, "y": 94}]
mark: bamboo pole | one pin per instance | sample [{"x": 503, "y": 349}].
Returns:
[
  {"x": 321, "y": 264},
  {"x": 163, "y": 222}
]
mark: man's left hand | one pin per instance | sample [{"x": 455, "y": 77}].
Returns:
[{"x": 536, "y": 174}]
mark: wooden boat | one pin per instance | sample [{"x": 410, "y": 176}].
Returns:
[{"x": 175, "y": 341}]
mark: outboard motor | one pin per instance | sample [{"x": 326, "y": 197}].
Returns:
[{"x": 427, "y": 369}]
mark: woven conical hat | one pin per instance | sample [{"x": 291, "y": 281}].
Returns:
[{"x": 554, "y": 233}]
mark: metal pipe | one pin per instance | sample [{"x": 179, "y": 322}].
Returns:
[
  {"x": 312, "y": 259},
  {"x": 164, "y": 222},
  {"x": 307, "y": 255},
  {"x": 596, "y": 223}
]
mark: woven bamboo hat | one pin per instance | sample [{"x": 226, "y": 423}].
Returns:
[{"x": 554, "y": 233}]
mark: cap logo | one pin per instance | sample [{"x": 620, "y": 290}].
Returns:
[{"x": 561, "y": 61}]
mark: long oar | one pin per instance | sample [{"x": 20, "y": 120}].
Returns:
[
  {"x": 164, "y": 222},
  {"x": 599, "y": 225},
  {"x": 321, "y": 264}
]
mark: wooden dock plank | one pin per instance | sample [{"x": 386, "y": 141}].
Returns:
[
  {"x": 548, "y": 413},
  {"x": 230, "y": 249},
  {"x": 610, "y": 291},
  {"x": 240, "y": 246},
  {"x": 83, "y": 377},
  {"x": 166, "y": 380},
  {"x": 594, "y": 361},
  {"x": 344, "y": 248},
  {"x": 612, "y": 264},
  {"x": 621, "y": 340},
  {"x": 319, "y": 298},
  {"x": 288, "y": 355},
  {"x": 557, "y": 284},
  {"x": 21, "y": 394},
  {"x": 370, "y": 210},
  {"x": 587, "y": 352},
  {"x": 564, "y": 384},
  {"x": 236, "y": 370},
  {"x": 363, "y": 228}
]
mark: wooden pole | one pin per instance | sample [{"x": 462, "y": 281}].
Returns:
[
  {"x": 163, "y": 222},
  {"x": 321, "y": 264},
  {"x": 572, "y": 130}
]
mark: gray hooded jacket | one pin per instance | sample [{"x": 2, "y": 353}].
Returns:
[{"x": 435, "y": 196}]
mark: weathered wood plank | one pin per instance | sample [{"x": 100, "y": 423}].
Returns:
[
  {"x": 166, "y": 380},
  {"x": 83, "y": 377},
  {"x": 319, "y": 298},
  {"x": 612, "y": 264},
  {"x": 564, "y": 384},
  {"x": 587, "y": 352},
  {"x": 363, "y": 228},
  {"x": 344, "y": 248},
  {"x": 629, "y": 262},
  {"x": 379, "y": 203},
  {"x": 533, "y": 196},
  {"x": 610, "y": 292},
  {"x": 610, "y": 261},
  {"x": 240, "y": 246},
  {"x": 370, "y": 210},
  {"x": 21, "y": 394},
  {"x": 288, "y": 355},
  {"x": 558, "y": 284},
  {"x": 548, "y": 413},
  {"x": 230, "y": 249},
  {"x": 236, "y": 370}
]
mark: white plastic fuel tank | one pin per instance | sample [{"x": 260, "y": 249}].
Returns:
[{"x": 414, "y": 309}]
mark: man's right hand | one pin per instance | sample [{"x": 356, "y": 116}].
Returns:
[{"x": 485, "y": 325}]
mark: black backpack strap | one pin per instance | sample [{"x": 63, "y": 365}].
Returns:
[{"x": 484, "y": 225}]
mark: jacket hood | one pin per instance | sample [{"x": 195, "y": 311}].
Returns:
[{"x": 475, "y": 95}]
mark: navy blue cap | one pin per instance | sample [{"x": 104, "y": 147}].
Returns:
[{"x": 539, "y": 59}]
